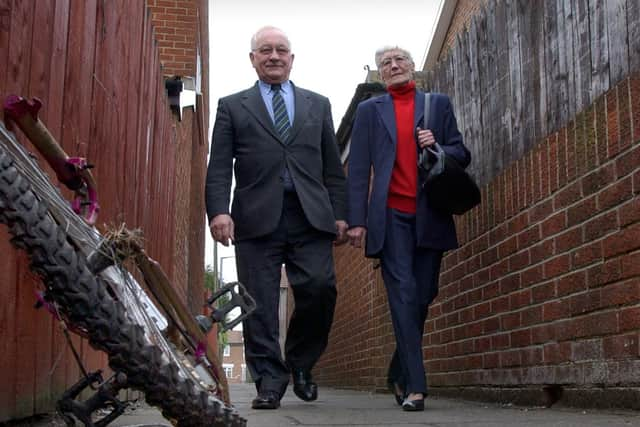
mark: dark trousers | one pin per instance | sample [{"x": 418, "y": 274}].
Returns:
[
  {"x": 410, "y": 276},
  {"x": 308, "y": 258}
]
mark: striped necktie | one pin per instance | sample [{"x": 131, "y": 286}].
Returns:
[{"x": 280, "y": 115}]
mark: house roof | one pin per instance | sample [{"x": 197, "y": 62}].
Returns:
[
  {"x": 363, "y": 91},
  {"x": 447, "y": 8}
]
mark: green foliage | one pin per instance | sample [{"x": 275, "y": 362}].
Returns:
[{"x": 210, "y": 279}]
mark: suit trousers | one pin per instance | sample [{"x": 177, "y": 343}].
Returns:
[
  {"x": 410, "y": 276},
  {"x": 307, "y": 255}
]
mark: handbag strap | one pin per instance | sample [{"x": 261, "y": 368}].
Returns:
[
  {"x": 427, "y": 110},
  {"x": 422, "y": 158}
]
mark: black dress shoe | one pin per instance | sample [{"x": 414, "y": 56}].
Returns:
[
  {"x": 303, "y": 386},
  {"x": 266, "y": 400},
  {"x": 413, "y": 405}
]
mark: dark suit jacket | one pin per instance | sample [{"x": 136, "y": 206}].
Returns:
[
  {"x": 373, "y": 145},
  {"x": 244, "y": 131}
]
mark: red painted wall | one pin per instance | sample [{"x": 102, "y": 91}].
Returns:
[{"x": 96, "y": 67}]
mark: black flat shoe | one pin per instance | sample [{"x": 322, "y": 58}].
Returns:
[
  {"x": 266, "y": 400},
  {"x": 303, "y": 386},
  {"x": 413, "y": 405},
  {"x": 393, "y": 388}
]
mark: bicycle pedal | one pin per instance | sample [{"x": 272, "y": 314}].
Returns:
[
  {"x": 103, "y": 404},
  {"x": 238, "y": 297}
]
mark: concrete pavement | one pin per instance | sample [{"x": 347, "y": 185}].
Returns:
[{"x": 352, "y": 408}]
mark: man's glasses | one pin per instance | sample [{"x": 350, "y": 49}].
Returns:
[
  {"x": 399, "y": 59},
  {"x": 266, "y": 50}
]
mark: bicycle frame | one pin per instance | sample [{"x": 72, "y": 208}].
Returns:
[{"x": 167, "y": 329}]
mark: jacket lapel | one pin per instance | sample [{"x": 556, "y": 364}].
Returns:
[
  {"x": 254, "y": 104},
  {"x": 384, "y": 105},
  {"x": 302, "y": 109}
]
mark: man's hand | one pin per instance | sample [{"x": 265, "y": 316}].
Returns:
[
  {"x": 356, "y": 236},
  {"x": 221, "y": 227},
  {"x": 341, "y": 233}
]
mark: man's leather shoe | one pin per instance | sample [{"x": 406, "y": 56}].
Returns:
[
  {"x": 266, "y": 400},
  {"x": 303, "y": 386}
]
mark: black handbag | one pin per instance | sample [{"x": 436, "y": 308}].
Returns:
[{"x": 448, "y": 187}]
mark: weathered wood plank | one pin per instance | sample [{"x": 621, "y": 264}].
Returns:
[
  {"x": 566, "y": 16},
  {"x": 582, "y": 54},
  {"x": 504, "y": 122},
  {"x": 515, "y": 77},
  {"x": 530, "y": 28},
  {"x": 633, "y": 35},
  {"x": 486, "y": 71},
  {"x": 457, "y": 74},
  {"x": 599, "y": 48},
  {"x": 492, "y": 159},
  {"x": 616, "y": 15},
  {"x": 551, "y": 61},
  {"x": 464, "y": 75}
]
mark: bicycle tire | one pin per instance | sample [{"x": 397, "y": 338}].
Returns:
[{"x": 87, "y": 304}]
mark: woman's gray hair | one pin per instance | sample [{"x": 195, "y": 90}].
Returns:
[
  {"x": 386, "y": 49},
  {"x": 254, "y": 38}
]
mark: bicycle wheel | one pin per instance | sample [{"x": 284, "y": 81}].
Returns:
[{"x": 85, "y": 302}]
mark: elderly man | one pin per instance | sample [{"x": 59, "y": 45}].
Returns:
[{"x": 288, "y": 208}]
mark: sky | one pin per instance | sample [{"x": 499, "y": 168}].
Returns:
[{"x": 333, "y": 41}]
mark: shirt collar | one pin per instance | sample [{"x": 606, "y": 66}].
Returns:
[{"x": 265, "y": 88}]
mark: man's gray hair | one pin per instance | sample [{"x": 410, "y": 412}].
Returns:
[
  {"x": 254, "y": 38},
  {"x": 380, "y": 52}
]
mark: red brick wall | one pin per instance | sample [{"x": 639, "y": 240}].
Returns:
[
  {"x": 176, "y": 25},
  {"x": 545, "y": 288}
]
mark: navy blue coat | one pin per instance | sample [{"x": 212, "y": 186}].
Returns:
[{"x": 373, "y": 151}]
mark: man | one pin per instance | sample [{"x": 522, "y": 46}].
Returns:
[
  {"x": 288, "y": 208},
  {"x": 393, "y": 214}
]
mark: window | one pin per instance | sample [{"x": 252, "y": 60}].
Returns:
[
  {"x": 226, "y": 352},
  {"x": 228, "y": 370}
]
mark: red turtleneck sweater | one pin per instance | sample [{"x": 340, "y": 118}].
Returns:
[{"x": 404, "y": 178}]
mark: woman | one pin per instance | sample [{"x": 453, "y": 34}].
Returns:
[{"x": 399, "y": 226}]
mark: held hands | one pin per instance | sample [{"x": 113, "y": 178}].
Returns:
[
  {"x": 424, "y": 137},
  {"x": 341, "y": 233},
  {"x": 221, "y": 227},
  {"x": 356, "y": 236}
]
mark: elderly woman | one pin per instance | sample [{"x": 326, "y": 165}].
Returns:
[{"x": 395, "y": 220}]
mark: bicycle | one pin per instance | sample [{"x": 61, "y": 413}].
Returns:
[{"x": 89, "y": 285}]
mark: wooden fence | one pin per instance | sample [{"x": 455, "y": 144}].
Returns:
[
  {"x": 525, "y": 68},
  {"x": 95, "y": 66}
]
